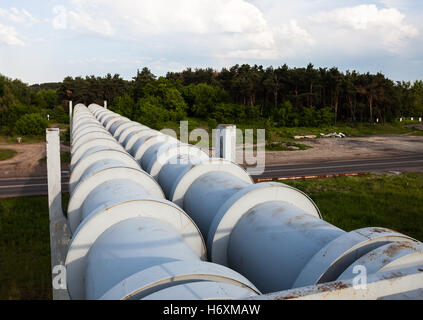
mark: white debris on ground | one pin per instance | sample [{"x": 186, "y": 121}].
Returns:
[
  {"x": 322, "y": 135},
  {"x": 333, "y": 135},
  {"x": 305, "y": 137}
]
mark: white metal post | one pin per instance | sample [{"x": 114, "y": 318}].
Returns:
[
  {"x": 59, "y": 232},
  {"x": 226, "y": 142},
  {"x": 105, "y": 104},
  {"x": 70, "y": 119}
]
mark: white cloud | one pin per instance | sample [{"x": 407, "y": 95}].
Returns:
[
  {"x": 17, "y": 16},
  {"x": 239, "y": 29},
  {"x": 160, "y": 16},
  {"x": 291, "y": 38},
  {"x": 222, "y": 28},
  {"x": 369, "y": 25},
  {"x": 82, "y": 21},
  {"x": 239, "y": 16},
  {"x": 9, "y": 36}
]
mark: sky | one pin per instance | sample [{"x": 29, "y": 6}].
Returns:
[{"x": 47, "y": 40}]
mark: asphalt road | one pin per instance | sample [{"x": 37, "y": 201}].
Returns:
[
  {"x": 38, "y": 186},
  {"x": 33, "y": 186},
  {"x": 397, "y": 163}
]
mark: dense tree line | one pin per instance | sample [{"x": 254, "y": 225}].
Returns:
[
  {"x": 91, "y": 89},
  {"x": 284, "y": 96},
  {"x": 279, "y": 96},
  {"x": 24, "y": 110},
  {"x": 351, "y": 96}
]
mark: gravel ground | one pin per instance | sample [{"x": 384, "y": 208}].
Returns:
[
  {"x": 349, "y": 149},
  {"x": 26, "y": 163}
]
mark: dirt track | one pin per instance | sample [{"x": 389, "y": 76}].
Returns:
[
  {"x": 26, "y": 163},
  {"x": 349, "y": 148}
]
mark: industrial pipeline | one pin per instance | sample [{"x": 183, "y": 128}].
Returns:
[{"x": 271, "y": 233}]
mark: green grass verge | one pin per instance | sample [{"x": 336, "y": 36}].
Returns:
[
  {"x": 6, "y": 154},
  {"x": 388, "y": 201},
  {"x": 25, "y": 248}
]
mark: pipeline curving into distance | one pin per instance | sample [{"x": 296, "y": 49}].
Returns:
[{"x": 128, "y": 241}]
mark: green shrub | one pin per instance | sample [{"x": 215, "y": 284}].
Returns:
[
  {"x": 124, "y": 106},
  {"x": 31, "y": 124},
  {"x": 151, "y": 113},
  {"x": 60, "y": 115},
  {"x": 13, "y": 113},
  {"x": 212, "y": 124}
]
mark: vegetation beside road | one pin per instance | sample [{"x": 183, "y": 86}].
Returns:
[{"x": 25, "y": 248}]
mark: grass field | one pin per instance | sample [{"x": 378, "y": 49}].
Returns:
[
  {"x": 349, "y": 203},
  {"x": 6, "y": 154},
  {"x": 25, "y": 248}
]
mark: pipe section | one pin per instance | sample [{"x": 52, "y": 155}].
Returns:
[
  {"x": 129, "y": 242},
  {"x": 271, "y": 233}
]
